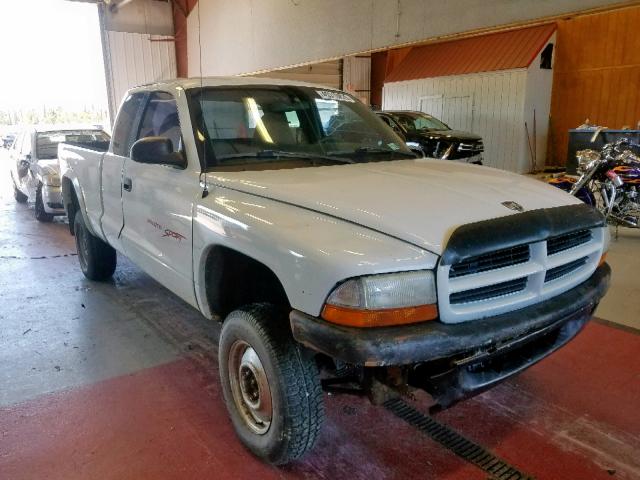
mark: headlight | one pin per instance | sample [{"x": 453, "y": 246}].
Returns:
[
  {"x": 383, "y": 300},
  {"x": 51, "y": 180}
]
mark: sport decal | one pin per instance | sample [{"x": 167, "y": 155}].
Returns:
[{"x": 165, "y": 231}]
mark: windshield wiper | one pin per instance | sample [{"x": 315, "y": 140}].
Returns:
[
  {"x": 373, "y": 150},
  {"x": 275, "y": 154}
]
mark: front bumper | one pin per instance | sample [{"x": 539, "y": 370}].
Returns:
[
  {"x": 52, "y": 200},
  {"x": 478, "y": 340}
]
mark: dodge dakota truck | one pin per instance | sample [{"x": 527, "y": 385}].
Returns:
[{"x": 334, "y": 258}]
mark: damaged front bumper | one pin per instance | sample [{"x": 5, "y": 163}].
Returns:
[{"x": 470, "y": 356}]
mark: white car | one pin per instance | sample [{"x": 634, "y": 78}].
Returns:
[
  {"x": 35, "y": 172},
  {"x": 298, "y": 217}
]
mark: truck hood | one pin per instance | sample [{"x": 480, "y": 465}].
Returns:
[
  {"x": 420, "y": 201},
  {"x": 455, "y": 135}
]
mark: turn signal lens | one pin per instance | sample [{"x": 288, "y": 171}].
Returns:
[
  {"x": 603, "y": 259},
  {"x": 379, "y": 318},
  {"x": 382, "y": 300}
]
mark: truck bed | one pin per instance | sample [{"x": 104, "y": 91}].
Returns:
[{"x": 86, "y": 163}]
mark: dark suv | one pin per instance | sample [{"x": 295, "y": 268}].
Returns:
[{"x": 428, "y": 136}]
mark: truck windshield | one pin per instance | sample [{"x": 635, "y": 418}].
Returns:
[
  {"x": 47, "y": 142},
  {"x": 287, "y": 127}
]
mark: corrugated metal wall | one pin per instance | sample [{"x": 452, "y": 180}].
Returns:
[
  {"x": 489, "y": 104},
  {"x": 597, "y": 75},
  {"x": 135, "y": 59}
]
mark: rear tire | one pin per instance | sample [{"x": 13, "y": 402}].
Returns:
[
  {"x": 271, "y": 385},
  {"x": 41, "y": 214},
  {"x": 19, "y": 196},
  {"x": 97, "y": 258}
]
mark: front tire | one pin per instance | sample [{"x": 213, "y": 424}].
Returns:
[
  {"x": 97, "y": 258},
  {"x": 41, "y": 214},
  {"x": 271, "y": 385}
]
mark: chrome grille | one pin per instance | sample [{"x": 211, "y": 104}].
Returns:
[
  {"x": 515, "y": 277},
  {"x": 476, "y": 147}
]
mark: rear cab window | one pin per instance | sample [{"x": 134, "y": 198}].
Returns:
[
  {"x": 160, "y": 119},
  {"x": 123, "y": 131},
  {"x": 47, "y": 142}
]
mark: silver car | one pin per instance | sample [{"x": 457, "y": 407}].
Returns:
[{"x": 35, "y": 172}]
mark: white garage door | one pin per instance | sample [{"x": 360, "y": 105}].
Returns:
[{"x": 457, "y": 112}]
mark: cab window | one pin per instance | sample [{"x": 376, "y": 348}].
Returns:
[
  {"x": 25, "y": 148},
  {"x": 123, "y": 130},
  {"x": 160, "y": 119},
  {"x": 17, "y": 143}
]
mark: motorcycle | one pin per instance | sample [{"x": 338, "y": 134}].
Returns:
[{"x": 609, "y": 181}]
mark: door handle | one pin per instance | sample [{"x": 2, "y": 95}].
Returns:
[{"x": 127, "y": 184}]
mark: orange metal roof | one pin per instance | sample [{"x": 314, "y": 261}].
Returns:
[{"x": 485, "y": 53}]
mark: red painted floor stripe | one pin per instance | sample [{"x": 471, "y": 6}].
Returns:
[
  {"x": 169, "y": 422},
  {"x": 573, "y": 416}
]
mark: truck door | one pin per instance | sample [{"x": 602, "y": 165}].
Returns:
[
  {"x": 112, "y": 164},
  {"x": 158, "y": 204}
]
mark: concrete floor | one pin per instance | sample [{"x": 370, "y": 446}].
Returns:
[{"x": 119, "y": 380}]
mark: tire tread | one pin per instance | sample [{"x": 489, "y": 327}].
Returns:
[
  {"x": 303, "y": 395},
  {"x": 102, "y": 260}
]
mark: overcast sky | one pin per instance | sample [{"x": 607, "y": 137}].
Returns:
[{"x": 50, "y": 55}]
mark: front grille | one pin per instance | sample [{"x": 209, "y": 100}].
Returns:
[
  {"x": 490, "y": 291},
  {"x": 471, "y": 147},
  {"x": 491, "y": 261},
  {"x": 476, "y": 287},
  {"x": 567, "y": 241},
  {"x": 565, "y": 269},
  {"x": 466, "y": 150}
]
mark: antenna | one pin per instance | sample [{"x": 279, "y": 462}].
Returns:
[{"x": 205, "y": 190}]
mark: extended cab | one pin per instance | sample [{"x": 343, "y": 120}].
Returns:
[{"x": 331, "y": 254}]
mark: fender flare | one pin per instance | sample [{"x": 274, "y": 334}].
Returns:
[{"x": 70, "y": 185}]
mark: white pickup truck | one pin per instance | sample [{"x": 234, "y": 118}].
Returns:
[{"x": 332, "y": 255}]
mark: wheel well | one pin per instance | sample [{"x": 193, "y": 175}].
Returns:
[
  {"x": 234, "y": 279},
  {"x": 71, "y": 204}
]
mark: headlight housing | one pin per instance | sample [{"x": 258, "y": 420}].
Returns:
[
  {"x": 383, "y": 300},
  {"x": 605, "y": 245},
  {"x": 51, "y": 180}
]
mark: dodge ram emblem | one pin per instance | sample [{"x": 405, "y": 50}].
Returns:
[{"x": 513, "y": 206}]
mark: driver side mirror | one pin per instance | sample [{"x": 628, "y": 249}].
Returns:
[{"x": 157, "y": 151}]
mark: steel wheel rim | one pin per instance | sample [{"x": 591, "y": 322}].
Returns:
[
  {"x": 82, "y": 245},
  {"x": 250, "y": 387}
]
